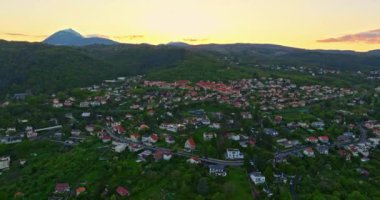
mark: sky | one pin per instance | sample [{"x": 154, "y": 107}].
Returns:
[{"x": 310, "y": 24}]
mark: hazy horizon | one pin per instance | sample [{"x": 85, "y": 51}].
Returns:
[{"x": 307, "y": 24}]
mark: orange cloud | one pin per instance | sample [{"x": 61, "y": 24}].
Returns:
[
  {"x": 370, "y": 37},
  {"x": 23, "y": 35},
  {"x": 129, "y": 37}
]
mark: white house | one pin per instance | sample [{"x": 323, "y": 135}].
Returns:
[
  {"x": 4, "y": 162},
  {"x": 257, "y": 178},
  {"x": 120, "y": 147},
  {"x": 234, "y": 154}
]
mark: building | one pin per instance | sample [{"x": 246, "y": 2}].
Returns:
[
  {"x": 208, "y": 136},
  {"x": 167, "y": 155},
  {"x": 122, "y": 191},
  {"x": 217, "y": 170},
  {"x": 194, "y": 160},
  {"x": 11, "y": 139},
  {"x": 190, "y": 144},
  {"x": 312, "y": 139},
  {"x": 234, "y": 154},
  {"x": 323, "y": 139},
  {"x": 308, "y": 152},
  {"x": 257, "y": 178},
  {"x": 271, "y": 132},
  {"x": 323, "y": 149},
  {"x": 169, "y": 139},
  {"x": 62, "y": 188},
  {"x": 120, "y": 147},
  {"x": 5, "y": 162}
]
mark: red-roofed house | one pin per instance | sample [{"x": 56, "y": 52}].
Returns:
[
  {"x": 119, "y": 129},
  {"x": 190, "y": 144},
  {"x": 158, "y": 155},
  {"x": 323, "y": 139},
  {"x": 135, "y": 137},
  {"x": 309, "y": 152},
  {"x": 106, "y": 138},
  {"x": 80, "y": 190},
  {"x": 153, "y": 138},
  {"x": 312, "y": 139},
  {"x": 122, "y": 191},
  {"x": 194, "y": 160},
  {"x": 62, "y": 188}
]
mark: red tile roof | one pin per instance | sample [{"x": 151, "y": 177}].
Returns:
[{"x": 122, "y": 191}]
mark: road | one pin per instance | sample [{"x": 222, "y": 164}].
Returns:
[{"x": 180, "y": 153}]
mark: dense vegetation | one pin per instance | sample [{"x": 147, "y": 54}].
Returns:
[{"x": 44, "y": 68}]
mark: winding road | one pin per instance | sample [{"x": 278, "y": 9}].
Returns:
[{"x": 181, "y": 153}]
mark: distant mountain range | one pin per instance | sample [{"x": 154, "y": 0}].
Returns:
[
  {"x": 69, "y": 37},
  {"x": 55, "y": 65}
]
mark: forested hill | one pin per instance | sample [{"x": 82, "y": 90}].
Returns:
[
  {"x": 250, "y": 54},
  {"x": 45, "y": 68}
]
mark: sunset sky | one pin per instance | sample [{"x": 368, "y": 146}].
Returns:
[{"x": 312, "y": 24}]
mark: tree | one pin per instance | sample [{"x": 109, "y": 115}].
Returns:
[
  {"x": 202, "y": 186},
  {"x": 356, "y": 195}
]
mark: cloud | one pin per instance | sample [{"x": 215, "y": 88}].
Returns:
[
  {"x": 129, "y": 37},
  {"x": 98, "y": 35},
  {"x": 23, "y": 35},
  {"x": 194, "y": 40},
  {"x": 370, "y": 37}
]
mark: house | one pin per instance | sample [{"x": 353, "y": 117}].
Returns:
[
  {"x": 80, "y": 190},
  {"x": 153, "y": 138},
  {"x": 271, "y": 132},
  {"x": 308, "y": 152},
  {"x": 86, "y": 114},
  {"x": 11, "y": 139},
  {"x": 246, "y": 115},
  {"x": 205, "y": 121},
  {"x": 145, "y": 138},
  {"x": 257, "y": 178},
  {"x": 190, "y": 144},
  {"x": 278, "y": 119},
  {"x": 30, "y": 133},
  {"x": 208, "y": 136},
  {"x": 167, "y": 155},
  {"x": 215, "y": 125},
  {"x": 134, "y": 147},
  {"x": 135, "y": 137},
  {"x": 143, "y": 127},
  {"x": 62, "y": 188},
  {"x": 90, "y": 128},
  {"x": 234, "y": 154},
  {"x": 120, "y": 147},
  {"x": 323, "y": 139},
  {"x": 122, "y": 191},
  {"x": 119, "y": 129},
  {"x": 5, "y": 162},
  {"x": 145, "y": 154},
  {"x": 158, "y": 155},
  {"x": 75, "y": 132},
  {"x": 106, "y": 138},
  {"x": 323, "y": 149},
  {"x": 217, "y": 170},
  {"x": 318, "y": 125},
  {"x": 169, "y": 139},
  {"x": 234, "y": 136},
  {"x": 312, "y": 139},
  {"x": 194, "y": 160}
]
